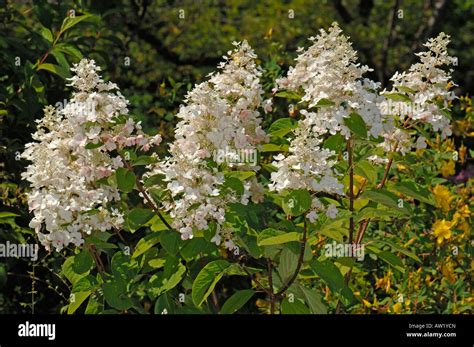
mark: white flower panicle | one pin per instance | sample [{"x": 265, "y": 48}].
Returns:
[
  {"x": 331, "y": 80},
  {"x": 220, "y": 115},
  {"x": 333, "y": 85},
  {"x": 71, "y": 152},
  {"x": 426, "y": 86}
]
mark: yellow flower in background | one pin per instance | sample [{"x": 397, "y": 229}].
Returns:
[
  {"x": 464, "y": 211},
  {"x": 448, "y": 168},
  {"x": 443, "y": 197},
  {"x": 384, "y": 282},
  {"x": 449, "y": 145},
  {"x": 448, "y": 272},
  {"x": 462, "y": 153},
  {"x": 401, "y": 167},
  {"x": 442, "y": 230},
  {"x": 361, "y": 182},
  {"x": 397, "y": 307}
]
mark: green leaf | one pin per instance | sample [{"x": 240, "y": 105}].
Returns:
[
  {"x": 124, "y": 267},
  {"x": 159, "y": 285},
  {"x": 387, "y": 257},
  {"x": 82, "y": 262},
  {"x": 125, "y": 180},
  {"x": 406, "y": 89},
  {"x": 294, "y": 307},
  {"x": 68, "y": 271},
  {"x": 271, "y": 236},
  {"x": 334, "y": 142},
  {"x": 288, "y": 94},
  {"x": 297, "y": 202},
  {"x": 154, "y": 180},
  {"x": 46, "y": 34},
  {"x": 86, "y": 283},
  {"x": 329, "y": 273},
  {"x": 378, "y": 213},
  {"x": 138, "y": 217},
  {"x": 7, "y": 215},
  {"x": 60, "y": 58},
  {"x": 157, "y": 263},
  {"x": 397, "y": 97},
  {"x": 313, "y": 299},
  {"x": 145, "y": 244},
  {"x": 240, "y": 175},
  {"x": 367, "y": 170},
  {"x": 158, "y": 224},
  {"x": 325, "y": 103},
  {"x": 207, "y": 279},
  {"x": 144, "y": 160},
  {"x": 288, "y": 264},
  {"x": 56, "y": 69},
  {"x": 70, "y": 21},
  {"x": 234, "y": 184},
  {"x": 415, "y": 191},
  {"x": 91, "y": 145},
  {"x": 69, "y": 50},
  {"x": 192, "y": 248},
  {"x": 164, "y": 304},
  {"x": 115, "y": 294},
  {"x": 400, "y": 249},
  {"x": 236, "y": 301},
  {"x": 386, "y": 198},
  {"x": 356, "y": 124},
  {"x": 271, "y": 147},
  {"x": 282, "y": 126},
  {"x": 170, "y": 241},
  {"x": 76, "y": 299}
]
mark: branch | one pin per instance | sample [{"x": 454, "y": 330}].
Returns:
[
  {"x": 270, "y": 286},
  {"x": 351, "y": 189},
  {"x": 149, "y": 201}
]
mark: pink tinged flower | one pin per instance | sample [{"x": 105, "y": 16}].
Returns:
[
  {"x": 130, "y": 141},
  {"x": 156, "y": 140},
  {"x": 120, "y": 140},
  {"x": 103, "y": 172},
  {"x": 267, "y": 105},
  {"x": 110, "y": 145}
]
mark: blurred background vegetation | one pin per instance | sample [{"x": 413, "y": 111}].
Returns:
[{"x": 156, "y": 50}]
